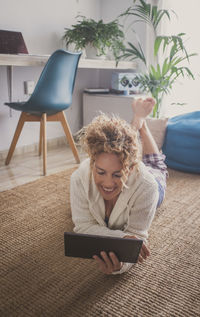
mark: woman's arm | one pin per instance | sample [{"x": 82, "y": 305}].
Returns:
[{"x": 142, "y": 210}]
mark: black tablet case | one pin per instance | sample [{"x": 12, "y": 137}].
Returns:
[{"x": 85, "y": 246}]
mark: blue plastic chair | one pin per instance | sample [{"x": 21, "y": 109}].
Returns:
[{"x": 51, "y": 96}]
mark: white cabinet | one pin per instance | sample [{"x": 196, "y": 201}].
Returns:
[{"x": 120, "y": 105}]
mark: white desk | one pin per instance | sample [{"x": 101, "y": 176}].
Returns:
[
  {"x": 10, "y": 61},
  {"x": 40, "y": 60}
]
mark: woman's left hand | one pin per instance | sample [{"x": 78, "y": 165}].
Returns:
[
  {"x": 108, "y": 263},
  {"x": 144, "y": 252}
]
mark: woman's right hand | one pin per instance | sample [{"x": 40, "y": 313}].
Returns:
[
  {"x": 108, "y": 263},
  {"x": 144, "y": 252}
]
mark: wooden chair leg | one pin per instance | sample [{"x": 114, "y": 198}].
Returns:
[
  {"x": 16, "y": 137},
  {"x": 44, "y": 141},
  {"x": 41, "y": 137},
  {"x": 68, "y": 134}
]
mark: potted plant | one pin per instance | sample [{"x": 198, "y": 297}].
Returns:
[
  {"x": 169, "y": 53},
  {"x": 101, "y": 36}
]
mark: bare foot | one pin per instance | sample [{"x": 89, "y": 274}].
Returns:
[{"x": 141, "y": 109}]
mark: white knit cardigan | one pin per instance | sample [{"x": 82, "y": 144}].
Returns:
[{"x": 131, "y": 215}]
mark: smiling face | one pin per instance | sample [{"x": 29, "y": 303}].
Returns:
[{"x": 107, "y": 172}]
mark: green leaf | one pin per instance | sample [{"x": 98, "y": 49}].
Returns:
[
  {"x": 165, "y": 67},
  {"x": 157, "y": 44},
  {"x": 136, "y": 52},
  {"x": 153, "y": 71}
]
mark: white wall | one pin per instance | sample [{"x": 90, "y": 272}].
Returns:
[
  {"x": 185, "y": 90},
  {"x": 42, "y": 24},
  {"x": 111, "y": 9}
]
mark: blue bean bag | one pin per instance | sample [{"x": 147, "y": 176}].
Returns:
[{"x": 182, "y": 142}]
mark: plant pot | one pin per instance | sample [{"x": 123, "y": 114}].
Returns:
[{"x": 92, "y": 53}]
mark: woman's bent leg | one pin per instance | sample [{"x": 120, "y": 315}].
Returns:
[{"x": 152, "y": 157}]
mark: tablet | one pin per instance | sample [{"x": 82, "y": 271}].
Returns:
[{"x": 86, "y": 245}]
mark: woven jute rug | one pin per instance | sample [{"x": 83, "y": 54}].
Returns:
[{"x": 38, "y": 280}]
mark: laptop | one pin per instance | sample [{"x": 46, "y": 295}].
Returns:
[{"x": 12, "y": 42}]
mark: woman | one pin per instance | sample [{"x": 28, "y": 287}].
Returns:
[{"x": 114, "y": 193}]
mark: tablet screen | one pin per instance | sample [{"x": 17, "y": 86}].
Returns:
[{"x": 85, "y": 246}]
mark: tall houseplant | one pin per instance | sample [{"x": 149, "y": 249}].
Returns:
[
  {"x": 100, "y": 35},
  {"x": 169, "y": 53}
]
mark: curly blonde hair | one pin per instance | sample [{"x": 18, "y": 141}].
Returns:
[{"x": 111, "y": 135}]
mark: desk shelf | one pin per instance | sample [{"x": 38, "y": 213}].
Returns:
[
  {"x": 28, "y": 60},
  {"x": 40, "y": 60}
]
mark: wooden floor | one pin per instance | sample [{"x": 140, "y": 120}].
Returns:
[{"x": 28, "y": 167}]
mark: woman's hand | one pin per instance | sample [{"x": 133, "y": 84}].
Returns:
[
  {"x": 144, "y": 252},
  {"x": 108, "y": 263}
]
